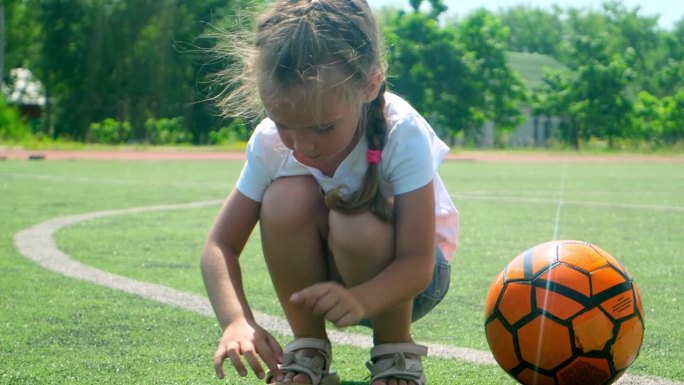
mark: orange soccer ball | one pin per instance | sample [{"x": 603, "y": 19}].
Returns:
[{"x": 564, "y": 313}]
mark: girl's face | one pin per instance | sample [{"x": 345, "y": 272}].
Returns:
[{"x": 321, "y": 135}]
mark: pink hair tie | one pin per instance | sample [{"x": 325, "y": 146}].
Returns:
[{"x": 373, "y": 156}]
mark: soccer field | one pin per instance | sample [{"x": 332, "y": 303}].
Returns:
[{"x": 145, "y": 221}]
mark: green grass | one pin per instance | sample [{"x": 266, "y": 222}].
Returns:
[{"x": 56, "y": 330}]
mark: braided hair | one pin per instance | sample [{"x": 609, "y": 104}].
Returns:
[{"x": 369, "y": 196}]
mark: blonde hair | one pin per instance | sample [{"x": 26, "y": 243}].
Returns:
[{"x": 294, "y": 42}]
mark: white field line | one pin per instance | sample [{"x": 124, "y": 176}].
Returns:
[
  {"x": 472, "y": 195},
  {"x": 114, "y": 181},
  {"x": 122, "y": 181},
  {"x": 37, "y": 243},
  {"x": 465, "y": 196},
  {"x": 561, "y": 191},
  {"x": 541, "y": 192}
]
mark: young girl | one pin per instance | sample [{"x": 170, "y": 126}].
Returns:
[{"x": 356, "y": 225}]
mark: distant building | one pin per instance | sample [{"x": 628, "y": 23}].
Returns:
[
  {"x": 536, "y": 130},
  {"x": 26, "y": 92}
]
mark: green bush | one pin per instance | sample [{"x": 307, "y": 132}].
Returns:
[
  {"x": 109, "y": 131},
  {"x": 12, "y": 126},
  {"x": 660, "y": 121},
  {"x": 236, "y": 131},
  {"x": 673, "y": 119},
  {"x": 167, "y": 131}
]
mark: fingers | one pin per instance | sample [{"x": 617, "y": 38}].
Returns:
[
  {"x": 322, "y": 301},
  {"x": 250, "y": 353},
  {"x": 321, "y": 298},
  {"x": 331, "y": 301},
  {"x": 310, "y": 296},
  {"x": 348, "y": 319},
  {"x": 231, "y": 351},
  {"x": 271, "y": 353},
  {"x": 275, "y": 348},
  {"x": 335, "y": 312},
  {"x": 234, "y": 351},
  {"x": 221, "y": 354}
]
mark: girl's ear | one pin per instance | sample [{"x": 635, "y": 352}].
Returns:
[{"x": 370, "y": 92}]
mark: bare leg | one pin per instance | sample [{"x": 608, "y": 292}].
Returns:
[
  {"x": 293, "y": 228},
  {"x": 362, "y": 247}
]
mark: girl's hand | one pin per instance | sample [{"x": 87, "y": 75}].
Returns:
[
  {"x": 244, "y": 338},
  {"x": 332, "y": 301}
]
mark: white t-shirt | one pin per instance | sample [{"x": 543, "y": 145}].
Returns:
[{"x": 410, "y": 159}]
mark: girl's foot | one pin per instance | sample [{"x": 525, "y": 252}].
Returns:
[
  {"x": 307, "y": 361},
  {"x": 301, "y": 378},
  {"x": 397, "y": 364}
]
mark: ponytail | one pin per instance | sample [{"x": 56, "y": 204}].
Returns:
[{"x": 369, "y": 196}]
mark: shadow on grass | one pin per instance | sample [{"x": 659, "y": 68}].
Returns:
[{"x": 354, "y": 383}]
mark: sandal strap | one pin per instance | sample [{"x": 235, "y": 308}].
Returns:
[
  {"x": 309, "y": 343},
  {"x": 317, "y": 368},
  {"x": 397, "y": 361},
  {"x": 405, "y": 347}
]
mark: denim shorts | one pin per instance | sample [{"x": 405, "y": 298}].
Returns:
[
  {"x": 433, "y": 295},
  {"x": 430, "y": 297}
]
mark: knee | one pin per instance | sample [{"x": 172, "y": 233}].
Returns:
[{"x": 292, "y": 201}]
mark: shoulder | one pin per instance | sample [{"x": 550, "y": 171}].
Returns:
[
  {"x": 265, "y": 143},
  {"x": 413, "y": 150},
  {"x": 265, "y": 151},
  {"x": 403, "y": 119},
  {"x": 409, "y": 131},
  {"x": 397, "y": 109},
  {"x": 265, "y": 154},
  {"x": 264, "y": 133}
]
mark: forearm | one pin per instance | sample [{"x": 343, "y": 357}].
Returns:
[
  {"x": 219, "y": 263},
  {"x": 223, "y": 282}
]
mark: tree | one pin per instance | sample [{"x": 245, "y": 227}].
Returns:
[
  {"x": 593, "y": 99},
  {"x": 533, "y": 29},
  {"x": 554, "y": 97},
  {"x": 648, "y": 116},
  {"x": 603, "y": 108},
  {"x": 620, "y": 29},
  {"x": 65, "y": 27},
  {"x": 429, "y": 68},
  {"x": 675, "y": 41},
  {"x": 629, "y": 30},
  {"x": 673, "y": 118},
  {"x": 669, "y": 76},
  {"x": 116, "y": 59},
  {"x": 500, "y": 90}
]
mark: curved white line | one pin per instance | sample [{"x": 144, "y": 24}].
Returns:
[
  {"x": 114, "y": 181},
  {"x": 37, "y": 243}
]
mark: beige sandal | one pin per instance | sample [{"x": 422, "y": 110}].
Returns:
[
  {"x": 317, "y": 367},
  {"x": 400, "y": 361}
]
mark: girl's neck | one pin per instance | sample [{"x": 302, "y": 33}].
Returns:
[{"x": 331, "y": 165}]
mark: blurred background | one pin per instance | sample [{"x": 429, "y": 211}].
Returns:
[{"x": 487, "y": 74}]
